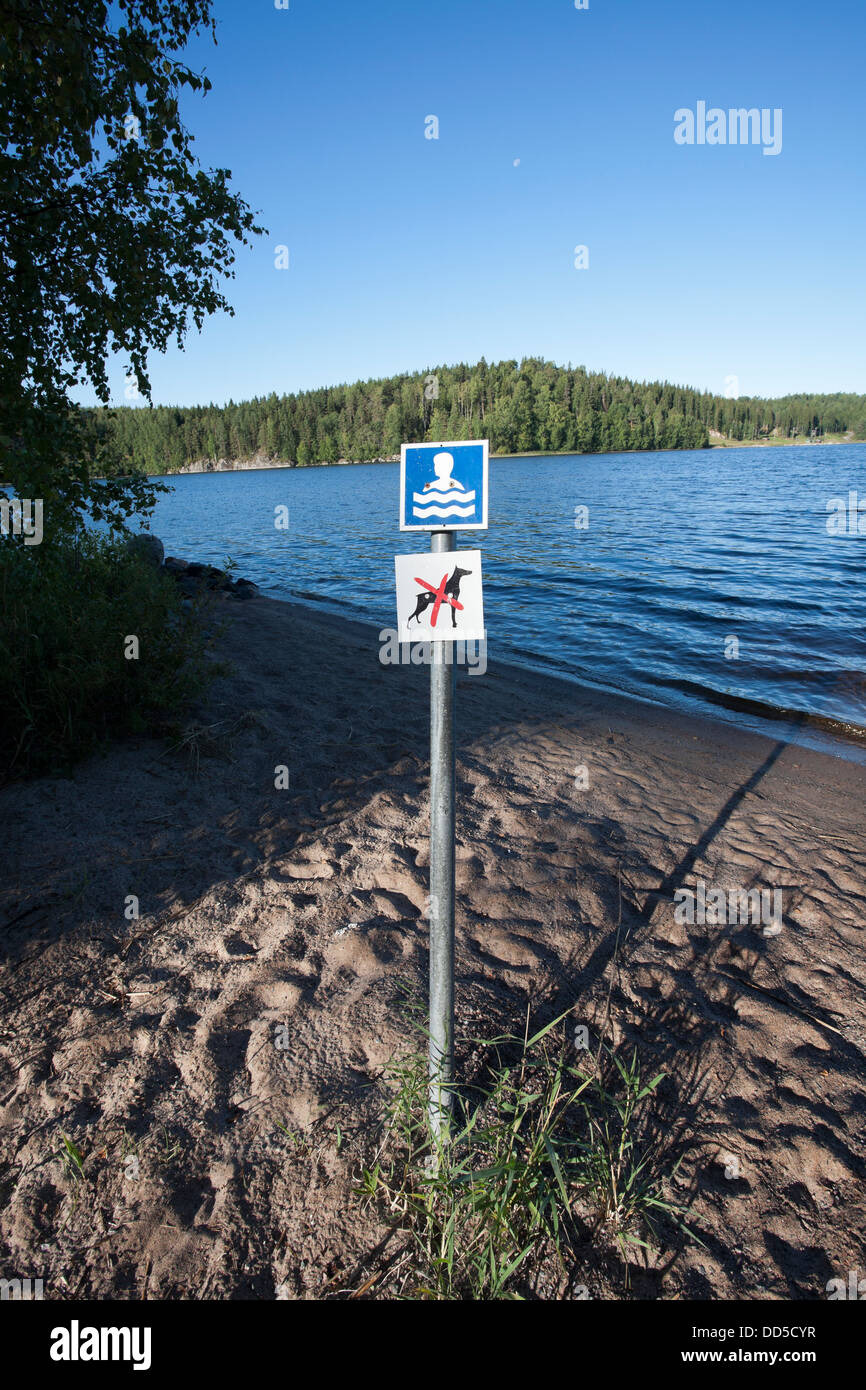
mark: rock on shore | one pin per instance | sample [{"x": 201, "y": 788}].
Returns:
[{"x": 190, "y": 576}]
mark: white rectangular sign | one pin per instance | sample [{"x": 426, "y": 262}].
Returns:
[{"x": 439, "y": 597}]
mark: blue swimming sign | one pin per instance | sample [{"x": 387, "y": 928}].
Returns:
[{"x": 443, "y": 487}]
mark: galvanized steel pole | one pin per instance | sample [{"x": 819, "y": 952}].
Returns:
[{"x": 443, "y": 688}]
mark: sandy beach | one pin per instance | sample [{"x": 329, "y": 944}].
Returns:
[{"x": 219, "y": 1165}]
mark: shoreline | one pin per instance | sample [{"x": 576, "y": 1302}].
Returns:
[
  {"x": 831, "y": 737},
  {"x": 779, "y": 443},
  {"x": 837, "y": 737},
  {"x": 201, "y": 466},
  {"x": 554, "y": 689}
]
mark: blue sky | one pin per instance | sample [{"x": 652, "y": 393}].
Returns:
[{"x": 705, "y": 262}]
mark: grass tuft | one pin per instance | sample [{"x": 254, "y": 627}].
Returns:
[{"x": 545, "y": 1152}]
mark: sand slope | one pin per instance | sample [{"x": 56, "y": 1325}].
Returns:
[{"x": 291, "y": 916}]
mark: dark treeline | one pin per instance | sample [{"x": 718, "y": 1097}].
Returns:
[{"x": 521, "y": 407}]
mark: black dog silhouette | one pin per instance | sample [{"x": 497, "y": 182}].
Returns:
[{"x": 452, "y": 588}]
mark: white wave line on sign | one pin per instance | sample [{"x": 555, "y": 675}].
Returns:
[
  {"x": 443, "y": 511},
  {"x": 440, "y": 495}
]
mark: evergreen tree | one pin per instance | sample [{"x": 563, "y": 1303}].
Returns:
[{"x": 533, "y": 407}]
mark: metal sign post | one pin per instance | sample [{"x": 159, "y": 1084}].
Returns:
[
  {"x": 443, "y": 489},
  {"x": 443, "y": 690}
]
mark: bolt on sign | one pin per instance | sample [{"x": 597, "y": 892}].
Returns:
[
  {"x": 439, "y": 596},
  {"x": 443, "y": 487}
]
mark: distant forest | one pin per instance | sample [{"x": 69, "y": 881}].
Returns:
[{"x": 522, "y": 407}]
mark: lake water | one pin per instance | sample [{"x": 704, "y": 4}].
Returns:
[{"x": 683, "y": 552}]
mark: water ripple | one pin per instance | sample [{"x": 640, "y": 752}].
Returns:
[{"x": 683, "y": 552}]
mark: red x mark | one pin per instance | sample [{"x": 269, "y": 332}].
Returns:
[{"x": 440, "y": 595}]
